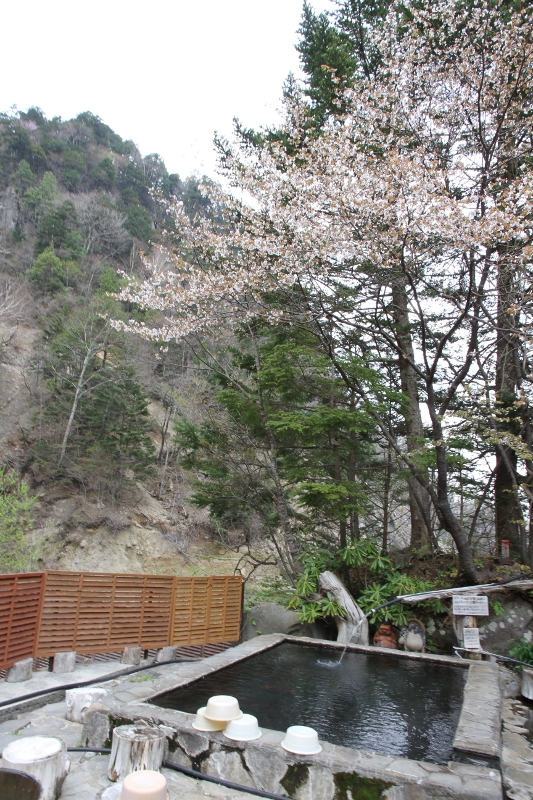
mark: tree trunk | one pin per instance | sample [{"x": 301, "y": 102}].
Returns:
[
  {"x": 386, "y": 500},
  {"x": 354, "y": 627},
  {"x": 74, "y": 408},
  {"x": 530, "y": 545},
  {"x": 338, "y": 478},
  {"x": 507, "y": 509},
  {"x": 419, "y": 502},
  {"x": 441, "y": 502},
  {"x": 439, "y": 496},
  {"x": 135, "y": 747},
  {"x": 291, "y": 545},
  {"x": 507, "y": 512}
]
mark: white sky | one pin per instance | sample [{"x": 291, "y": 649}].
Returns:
[{"x": 166, "y": 74}]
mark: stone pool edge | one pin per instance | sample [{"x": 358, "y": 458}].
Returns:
[{"x": 265, "y": 765}]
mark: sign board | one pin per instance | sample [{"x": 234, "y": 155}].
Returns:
[
  {"x": 471, "y": 639},
  {"x": 505, "y": 548},
  {"x": 471, "y": 606}
]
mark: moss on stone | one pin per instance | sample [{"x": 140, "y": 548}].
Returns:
[
  {"x": 116, "y": 722},
  {"x": 297, "y": 775},
  {"x": 351, "y": 786}
]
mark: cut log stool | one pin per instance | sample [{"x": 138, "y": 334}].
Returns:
[
  {"x": 44, "y": 757},
  {"x": 135, "y": 747},
  {"x": 19, "y": 785},
  {"x": 79, "y": 700}
]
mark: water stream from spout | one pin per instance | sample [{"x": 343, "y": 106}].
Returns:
[{"x": 352, "y": 632}]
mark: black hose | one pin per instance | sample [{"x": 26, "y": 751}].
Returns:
[
  {"x": 383, "y": 605},
  {"x": 507, "y": 659},
  {"x": 192, "y": 773},
  {"x": 101, "y": 679}
]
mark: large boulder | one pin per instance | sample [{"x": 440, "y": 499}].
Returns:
[
  {"x": 272, "y": 618},
  {"x": 497, "y": 634}
]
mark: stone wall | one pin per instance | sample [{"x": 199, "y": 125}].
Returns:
[
  {"x": 267, "y": 618},
  {"x": 497, "y": 633},
  {"x": 337, "y": 773}
]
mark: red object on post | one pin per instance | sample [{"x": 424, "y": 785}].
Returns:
[{"x": 505, "y": 548}]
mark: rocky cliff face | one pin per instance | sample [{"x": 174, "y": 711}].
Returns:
[
  {"x": 497, "y": 633},
  {"x": 139, "y": 533},
  {"x": 18, "y": 341}
]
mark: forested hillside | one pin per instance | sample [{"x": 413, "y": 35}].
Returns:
[{"x": 86, "y": 412}]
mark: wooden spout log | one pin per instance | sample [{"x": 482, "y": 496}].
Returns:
[
  {"x": 135, "y": 747},
  {"x": 43, "y": 757},
  {"x": 352, "y": 629}
]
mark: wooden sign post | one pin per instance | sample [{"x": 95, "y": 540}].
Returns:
[{"x": 466, "y": 609}]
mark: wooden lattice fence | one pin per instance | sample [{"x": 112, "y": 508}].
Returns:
[
  {"x": 93, "y": 612},
  {"x": 20, "y": 606}
]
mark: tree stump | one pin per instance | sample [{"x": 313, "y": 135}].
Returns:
[
  {"x": 527, "y": 683},
  {"x": 44, "y": 757},
  {"x": 354, "y": 627},
  {"x": 79, "y": 700},
  {"x": 135, "y": 747}
]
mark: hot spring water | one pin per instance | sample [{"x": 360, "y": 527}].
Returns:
[{"x": 377, "y": 701}]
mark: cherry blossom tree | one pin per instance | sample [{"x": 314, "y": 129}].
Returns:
[{"x": 401, "y": 233}]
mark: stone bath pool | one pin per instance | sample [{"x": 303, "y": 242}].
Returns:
[
  {"x": 367, "y": 701},
  {"x": 409, "y": 727}
]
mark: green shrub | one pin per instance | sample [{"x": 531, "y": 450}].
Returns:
[
  {"x": 23, "y": 178},
  {"x": 59, "y": 228},
  {"x": 378, "y": 583},
  {"x": 104, "y": 174},
  {"x": 48, "y": 274},
  {"x": 522, "y": 651},
  {"x": 72, "y": 179},
  {"x": 16, "y": 507},
  {"x": 109, "y": 282},
  {"x": 138, "y": 223}
]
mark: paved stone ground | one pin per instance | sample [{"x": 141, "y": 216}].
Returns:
[
  {"x": 87, "y": 778},
  {"x": 517, "y": 750},
  {"x": 47, "y": 680}
]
